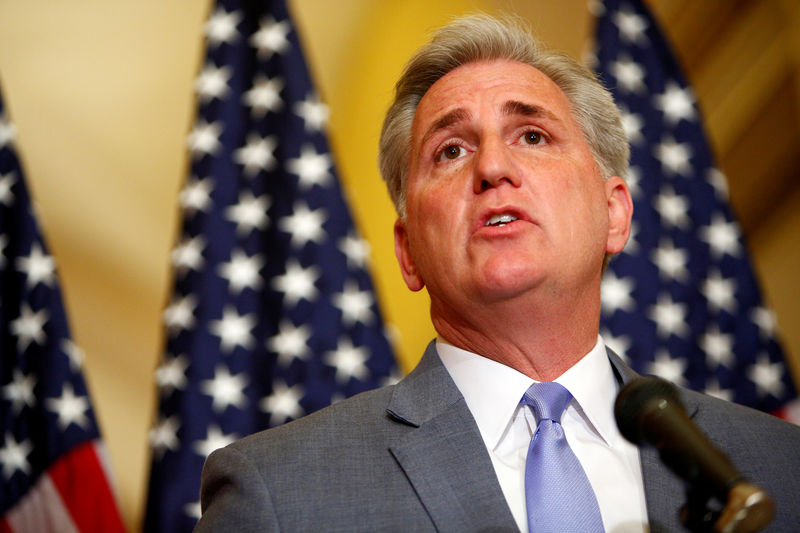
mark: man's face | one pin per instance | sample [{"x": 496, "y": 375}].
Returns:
[{"x": 503, "y": 194}]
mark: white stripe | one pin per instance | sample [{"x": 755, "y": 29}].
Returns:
[
  {"x": 105, "y": 463},
  {"x": 41, "y": 511}
]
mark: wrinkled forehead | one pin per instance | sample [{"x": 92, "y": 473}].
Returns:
[{"x": 502, "y": 85}]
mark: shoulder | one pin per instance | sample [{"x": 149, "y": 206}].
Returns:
[
  {"x": 344, "y": 423},
  {"x": 714, "y": 414}
]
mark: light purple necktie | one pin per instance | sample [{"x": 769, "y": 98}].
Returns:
[{"x": 558, "y": 494}]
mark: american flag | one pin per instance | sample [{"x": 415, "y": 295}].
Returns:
[
  {"x": 54, "y": 475},
  {"x": 273, "y": 314},
  {"x": 681, "y": 300}
]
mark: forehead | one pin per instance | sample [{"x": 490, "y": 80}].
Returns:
[{"x": 490, "y": 83}]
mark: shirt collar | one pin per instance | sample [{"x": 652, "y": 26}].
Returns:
[{"x": 493, "y": 390}]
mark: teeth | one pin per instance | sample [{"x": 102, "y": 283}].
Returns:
[{"x": 500, "y": 220}]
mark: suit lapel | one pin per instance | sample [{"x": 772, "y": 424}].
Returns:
[
  {"x": 664, "y": 492},
  {"x": 444, "y": 457}
]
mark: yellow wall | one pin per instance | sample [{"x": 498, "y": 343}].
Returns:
[{"x": 101, "y": 92}]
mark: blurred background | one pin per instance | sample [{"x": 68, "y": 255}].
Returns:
[{"x": 102, "y": 96}]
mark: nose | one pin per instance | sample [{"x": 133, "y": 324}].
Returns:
[{"x": 494, "y": 166}]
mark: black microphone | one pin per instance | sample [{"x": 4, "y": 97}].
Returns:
[{"x": 649, "y": 410}]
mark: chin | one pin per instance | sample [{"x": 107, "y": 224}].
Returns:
[{"x": 509, "y": 279}]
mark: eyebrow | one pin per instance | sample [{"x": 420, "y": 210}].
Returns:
[
  {"x": 514, "y": 107},
  {"x": 450, "y": 118}
]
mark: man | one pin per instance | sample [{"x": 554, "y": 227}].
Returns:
[{"x": 506, "y": 165}]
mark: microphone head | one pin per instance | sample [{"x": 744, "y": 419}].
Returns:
[{"x": 638, "y": 398}]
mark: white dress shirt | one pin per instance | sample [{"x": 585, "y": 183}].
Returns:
[{"x": 493, "y": 391}]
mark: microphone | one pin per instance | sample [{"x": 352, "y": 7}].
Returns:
[{"x": 649, "y": 410}]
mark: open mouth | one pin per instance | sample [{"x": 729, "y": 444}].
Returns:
[{"x": 500, "y": 220}]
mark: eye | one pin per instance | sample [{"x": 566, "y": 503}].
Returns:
[
  {"x": 451, "y": 152},
  {"x": 532, "y": 137}
]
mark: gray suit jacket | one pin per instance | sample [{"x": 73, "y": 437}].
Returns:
[{"x": 409, "y": 457}]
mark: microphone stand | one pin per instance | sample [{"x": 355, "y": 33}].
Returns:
[{"x": 748, "y": 509}]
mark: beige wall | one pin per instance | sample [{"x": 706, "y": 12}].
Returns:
[{"x": 101, "y": 92}]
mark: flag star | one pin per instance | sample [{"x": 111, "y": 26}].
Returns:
[
  {"x": 633, "y": 180},
  {"x": 616, "y": 293},
  {"x": 671, "y": 261},
  {"x": 20, "y": 391},
  {"x": 355, "y": 249},
  {"x": 29, "y": 327},
  {"x": 720, "y": 183},
  {"x": 674, "y": 156},
  {"x": 74, "y": 353},
  {"x": 249, "y": 213},
  {"x": 354, "y": 304},
  {"x": 221, "y": 27},
  {"x": 620, "y": 344},
  {"x": 765, "y": 320},
  {"x": 669, "y": 316},
  {"x": 8, "y": 131},
  {"x": 672, "y": 208},
  {"x": 233, "y": 329},
  {"x": 304, "y": 225},
  {"x": 271, "y": 37},
  {"x": 179, "y": 315},
  {"x": 713, "y": 389},
  {"x": 719, "y": 292},
  {"x": 314, "y": 113},
  {"x": 204, "y": 138},
  {"x": 188, "y": 255},
  {"x": 291, "y": 342},
  {"x": 225, "y": 389},
  {"x": 348, "y": 360},
  {"x": 632, "y": 246},
  {"x": 283, "y": 403},
  {"x": 164, "y": 436},
  {"x": 632, "y": 123},
  {"x": 718, "y": 348},
  {"x": 70, "y": 409},
  {"x": 38, "y": 267},
  {"x": 629, "y": 75},
  {"x": 257, "y": 154},
  {"x": 392, "y": 378},
  {"x": 7, "y": 181},
  {"x": 213, "y": 83},
  {"x": 722, "y": 236},
  {"x": 668, "y": 368},
  {"x": 14, "y": 456},
  {"x": 265, "y": 96},
  {"x": 214, "y": 440},
  {"x": 767, "y": 376},
  {"x": 297, "y": 283},
  {"x": 311, "y": 167},
  {"x": 193, "y": 510},
  {"x": 676, "y": 102},
  {"x": 196, "y": 195},
  {"x": 171, "y": 374},
  {"x": 631, "y": 26},
  {"x": 242, "y": 271}
]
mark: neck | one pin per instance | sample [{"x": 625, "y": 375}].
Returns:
[{"x": 539, "y": 339}]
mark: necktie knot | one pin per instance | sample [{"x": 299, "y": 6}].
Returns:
[{"x": 548, "y": 400}]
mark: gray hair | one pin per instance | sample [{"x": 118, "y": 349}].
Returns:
[{"x": 481, "y": 38}]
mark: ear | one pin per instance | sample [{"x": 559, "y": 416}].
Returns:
[
  {"x": 401, "y": 249},
  {"x": 620, "y": 212}
]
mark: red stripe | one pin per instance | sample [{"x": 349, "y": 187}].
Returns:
[
  {"x": 84, "y": 488},
  {"x": 5, "y": 527}
]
